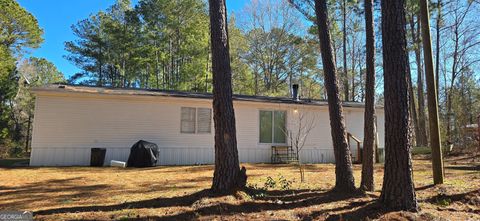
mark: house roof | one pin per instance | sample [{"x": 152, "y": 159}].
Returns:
[{"x": 63, "y": 88}]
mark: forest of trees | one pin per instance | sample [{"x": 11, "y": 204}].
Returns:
[
  {"x": 165, "y": 45},
  {"x": 19, "y": 33}
]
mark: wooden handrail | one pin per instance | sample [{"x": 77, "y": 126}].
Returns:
[
  {"x": 354, "y": 138},
  {"x": 349, "y": 135}
]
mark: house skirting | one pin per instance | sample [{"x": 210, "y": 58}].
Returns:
[{"x": 80, "y": 156}]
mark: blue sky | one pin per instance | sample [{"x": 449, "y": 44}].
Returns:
[{"x": 55, "y": 17}]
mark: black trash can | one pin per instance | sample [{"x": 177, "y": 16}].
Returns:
[{"x": 97, "y": 157}]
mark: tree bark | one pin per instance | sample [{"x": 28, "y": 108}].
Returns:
[
  {"x": 367, "y": 183},
  {"x": 452, "y": 82},
  {"x": 435, "y": 143},
  {"x": 227, "y": 175},
  {"x": 411, "y": 101},
  {"x": 343, "y": 162},
  {"x": 478, "y": 130},
  {"x": 352, "y": 97},
  {"x": 398, "y": 191},
  {"x": 437, "y": 58},
  {"x": 421, "y": 136},
  {"x": 345, "y": 68},
  {"x": 27, "y": 138}
]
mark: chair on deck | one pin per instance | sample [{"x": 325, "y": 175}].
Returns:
[{"x": 284, "y": 154}]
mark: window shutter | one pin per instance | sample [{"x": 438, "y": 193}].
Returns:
[
  {"x": 204, "y": 116},
  {"x": 187, "y": 124}
]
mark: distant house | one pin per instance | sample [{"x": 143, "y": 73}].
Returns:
[{"x": 70, "y": 120}]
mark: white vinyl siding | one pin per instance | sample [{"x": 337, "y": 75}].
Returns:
[
  {"x": 204, "y": 117},
  {"x": 187, "y": 123},
  {"x": 272, "y": 127},
  {"x": 64, "y": 129}
]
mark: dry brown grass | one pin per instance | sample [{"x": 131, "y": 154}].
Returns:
[{"x": 177, "y": 193}]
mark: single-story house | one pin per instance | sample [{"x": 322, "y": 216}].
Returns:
[{"x": 70, "y": 120}]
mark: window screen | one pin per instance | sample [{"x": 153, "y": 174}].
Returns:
[
  {"x": 204, "y": 118},
  {"x": 272, "y": 127},
  {"x": 279, "y": 127},
  {"x": 187, "y": 124},
  {"x": 266, "y": 127}
]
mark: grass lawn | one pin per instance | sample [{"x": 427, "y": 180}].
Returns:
[{"x": 177, "y": 193}]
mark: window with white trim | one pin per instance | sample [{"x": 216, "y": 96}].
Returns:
[
  {"x": 196, "y": 120},
  {"x": 272, "y": 127}
]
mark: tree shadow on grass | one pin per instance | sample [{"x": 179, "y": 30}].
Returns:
[
  {"x": 270, "y": 201},
  {"x": 19, "y": 196},
  {"x": 467, "y": 197},
  {"x": 367, "y": 211},
  {"x": 55, "y": 191},
  {"x": 151, "y": 203},
  {"x": 474, "y": 168},
  {"x": 463, "y": 158},
  {"x": 424, "y": 187}
]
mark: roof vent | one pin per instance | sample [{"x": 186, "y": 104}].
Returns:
[{"x": 295, "y": 96}]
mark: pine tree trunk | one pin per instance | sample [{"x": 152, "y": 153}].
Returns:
[
  {"x": 437, "y": 59},
  {"x": 398, "y": 191},
  {"x": 343, "y": 162},
  {"x": 352, "y": 97},
  {"x": 345, "y": 68},
  {"x": 435, "y": 143},
  {"x": 411, "y": 101},
  {"x": 227, "y": 175},
  {"x": 422, "y": 129},
  {"x": 367, "y": 183},
  {"x": 27, "y": 137}
]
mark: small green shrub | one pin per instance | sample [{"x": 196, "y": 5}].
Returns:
[
  {"x": 444, "y": 202},
  {"x": 270, "y": 183},
  {"x": 123, "y": 218},
  {"x": 280, "y": 182},
  {"x": 15, "y": 151},
  {"x": 284, "y": 183}
]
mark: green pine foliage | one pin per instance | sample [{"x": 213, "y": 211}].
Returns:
[
  {"x": 19, "y": 31},
  {"x": 165, "y": 44}
]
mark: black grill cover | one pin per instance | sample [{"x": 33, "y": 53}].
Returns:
[{"x": 143, "y": 154}]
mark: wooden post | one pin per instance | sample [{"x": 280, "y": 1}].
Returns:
[
  {"x": 359, "y": 156},
  {"x": 27, "y": 139},
  {"x": 348, "y": 142},
  {"x": 478, "y": 128},
  {"x": 377, "y": 155},
  {"x": 435, "y": 143}
]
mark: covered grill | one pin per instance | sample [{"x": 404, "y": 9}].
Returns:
[{"x": 143, "y": 154}]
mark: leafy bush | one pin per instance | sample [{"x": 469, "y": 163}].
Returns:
[
  {"x": 444, "y": 202},
  {"x": 270, "y": 183},
  {"x": 281, "y": 182},
  {"x": 8, "y": 148},
  {"x": 15, "y": 151},
  {"x": 284, "y": 183}
]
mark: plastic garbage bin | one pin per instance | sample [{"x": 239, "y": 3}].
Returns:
[{"x": 97, "y": 157}]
